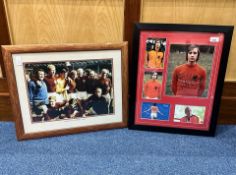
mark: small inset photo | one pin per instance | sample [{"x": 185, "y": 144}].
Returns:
[
  {"x": 155, "y": 111},
  {"x": 155, "y": 51},
  {"x": 152, "y": 85},
  {"x": 189, "y": 114}
]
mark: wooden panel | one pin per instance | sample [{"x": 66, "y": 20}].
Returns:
[
  {"x": 227, "y": 111},
  {"x": 64, "y": 21},
  {"x": 5, "y": 105},
  {"x": 216, "y": 12},
  {"x": 4, "y": 35},
  {"x": 132, "y": 14},
  {"x": 3, "y": 85},
  {"x": 5, "y": 109},
  {"x": 228, "y": 103}
]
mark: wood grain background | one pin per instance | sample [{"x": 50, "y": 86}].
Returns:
[
  {"x": 70, "y": 21},
  {"x": 4, "y": 34},
  {"x": 215, "y": 12},
  {"x": 65, "y": 21}
]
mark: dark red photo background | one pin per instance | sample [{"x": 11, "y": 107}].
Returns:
[{"x": 178, "y": 38}]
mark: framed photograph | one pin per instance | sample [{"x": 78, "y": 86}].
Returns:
[
  {"x": 176, "y": 77},
  {"x": 65, "y": 89}
]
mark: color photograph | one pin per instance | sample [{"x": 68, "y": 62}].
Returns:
[
  {"x": 189, "y": 114},
  {"x": 155, "y": 111},
  {"x": 152, "y": 85},
  {"x": 67, "y": 90},
  {"x": 155, "y": 51},
  {"x": 189, "y": 70}
]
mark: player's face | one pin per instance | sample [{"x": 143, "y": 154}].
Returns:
[
  {"x": 41, "y": 75},
  {"x": 154, "y": 76},
  {"x": 92, "y": 74},
  {"x": 62, "y": 75},
  {"x": 52, "y": 71},
  {"x": 52, "y": 103},
  {"x": 157, "y": 45},
  {"x": 66, "y": 74},
  {"x": 192, "y": 55},
  {"x": 73, "y": 75},
  {"x": 188, "y": 111},
  {"x": 104, "y": 75},
  {"x": 80, "y": 72},
  {"x": 98, "y": 92}
]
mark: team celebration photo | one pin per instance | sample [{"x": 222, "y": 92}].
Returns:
[{"x": 68, "y": 90}]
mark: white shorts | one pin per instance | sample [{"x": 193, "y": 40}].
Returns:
[
  {"x": 153, "y": 115},
  {"x": 82, "y": 95},
  {"x": 107, "y": 97},
  {"x": 72, "y": 95},
  {"x": 60, "y": 98}
]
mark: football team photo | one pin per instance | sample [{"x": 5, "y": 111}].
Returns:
[{"x": 67, "y": 90}]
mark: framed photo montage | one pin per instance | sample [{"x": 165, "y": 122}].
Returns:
[{"x": 177, "y": 75}]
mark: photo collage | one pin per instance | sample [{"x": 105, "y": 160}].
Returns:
[{"x": 174, "y": 84}]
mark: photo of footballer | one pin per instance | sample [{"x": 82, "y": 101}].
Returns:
[
  {"x": 189, "y": 114},
  {"x": 67, "y": 90},
  {"x": 152, "y": 85},
  {"x": 155, "y": 51},
  {"x": 155, "y": 111},
  {"x": 189, "y": 70}
]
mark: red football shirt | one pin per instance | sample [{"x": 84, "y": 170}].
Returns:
[
  {"x": 152, "y": 89},
  {"x": 192, "y": 119},
  {"x": 189, "y": 80}
]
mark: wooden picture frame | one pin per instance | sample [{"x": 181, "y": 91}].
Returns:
[
  {"x": 35, "y": 98},
  {"x": 172, "y": 90}
]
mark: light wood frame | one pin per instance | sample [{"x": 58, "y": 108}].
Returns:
[{"x": 8, "y": 52}]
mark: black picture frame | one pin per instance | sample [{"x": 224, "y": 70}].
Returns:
[{"x": 134, "y": 82}]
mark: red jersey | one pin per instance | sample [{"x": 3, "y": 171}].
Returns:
[
  {"x": 51, "y": 83},
  {"x": 152, "y": 89},
  {"x": 72, "y": 86},
  {"x": 105, "y": 84},
  {"x": 192, "y": 119},
  {"x": 189, "y": 80}
]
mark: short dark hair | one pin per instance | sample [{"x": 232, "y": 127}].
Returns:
[
  {"x": 37, "y": 72},
  {"x": 191, "y": 47},
  {"x": 154, "y": 73},
  {"x": 187, "y": 108}
]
